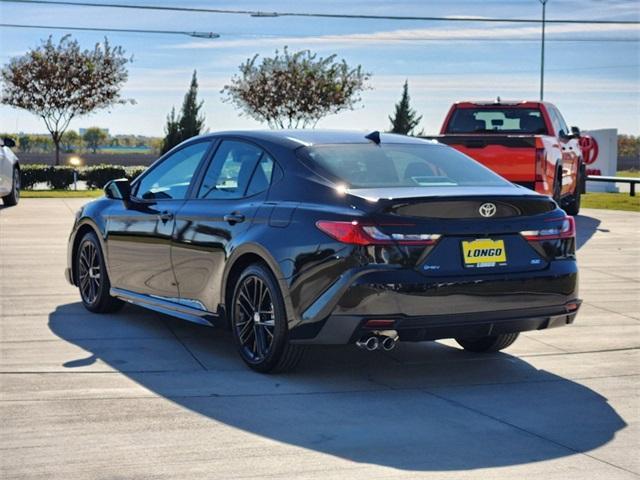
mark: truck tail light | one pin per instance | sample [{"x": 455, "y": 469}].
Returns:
[
  {"x": 565, "y": 228},
  {"x": 356, "y": 233}
]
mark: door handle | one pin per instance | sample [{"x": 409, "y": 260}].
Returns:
[
  {"x": 233, "y": 218},
  {"x": 166, "y": 216}
]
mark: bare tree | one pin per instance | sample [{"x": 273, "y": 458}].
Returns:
[
  {"x": 292, "y": 90},
  {"x": 59, "y": 82}
]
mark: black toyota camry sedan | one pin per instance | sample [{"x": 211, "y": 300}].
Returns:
[{"x": 294, "y": 238}]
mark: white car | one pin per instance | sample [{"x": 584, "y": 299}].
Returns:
[{"x": 9, "y": 173}]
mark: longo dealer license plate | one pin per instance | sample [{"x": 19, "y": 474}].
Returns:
[{"x": 484, "y": 252}]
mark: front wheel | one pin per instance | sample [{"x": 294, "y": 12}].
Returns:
[
  {"x": 259, "y": 322},
  {"x": 493, "y": 343},
  {"x": 92, "y": 279},
  {"x": 13, "y": 197}
]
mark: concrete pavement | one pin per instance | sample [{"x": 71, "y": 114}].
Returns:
[{"x": 141, "y": 395}]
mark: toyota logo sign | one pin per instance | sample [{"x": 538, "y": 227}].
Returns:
[{"x": 487, "y": 209}]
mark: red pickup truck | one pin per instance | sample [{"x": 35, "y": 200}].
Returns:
[{"x": 528, "y": 143}]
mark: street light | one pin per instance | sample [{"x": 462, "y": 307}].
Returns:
[
  {"x": 544, "y": 17},
  {"x": 75, "y": 162}
]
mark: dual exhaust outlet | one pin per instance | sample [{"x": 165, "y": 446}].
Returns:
[{"x": 384, "y": 340}]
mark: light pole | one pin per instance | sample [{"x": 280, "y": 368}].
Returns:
[
  {"x": 544, "y": 12},
  {"x": 75, "y": 162}
]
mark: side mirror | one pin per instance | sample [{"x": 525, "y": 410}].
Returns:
[
  {"x": 119, "y": 189},
  {"x": 9, "y": 142},
  {"x": 575, "y": 131}
]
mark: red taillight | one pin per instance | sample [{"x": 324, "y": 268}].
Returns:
[
  {"x": 379, "y": 323},
  {"x": 345, "y": 232},
  {"x": 566, "y": 228},
  {"x": 356, "y": 233}
]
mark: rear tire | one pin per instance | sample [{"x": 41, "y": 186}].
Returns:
[
  {"x": 92, "y": 278},
  {"x": 493, "y": 343},
  {"x": 572, "y": 206},
  {"x": 259, "y": 322},
  {"x": 13, "y": 197},
  {"x": 557, "y": 187}
]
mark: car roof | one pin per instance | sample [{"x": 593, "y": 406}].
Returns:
[
  {"x": 301, "y": 137},
  {"x": 501, "y": 103}
]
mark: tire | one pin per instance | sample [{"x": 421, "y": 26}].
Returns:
[
  {"x": 493, "y": 343},
  {"x": 262, "y": 340},
  {"x": 557, "y": 187},
  {"x": 572, "y": 205},
  {"x": 13, "y": 198},
  {"x": 92, "y": 279}
]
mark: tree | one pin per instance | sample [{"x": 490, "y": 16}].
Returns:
[
  {"x": 295, "y": 89},
  {"x": 189, "y": 123},
  {"x": 628, "y": 146},
  {"x": 172, "y": 132},
  {"x": 70, "y": 139},
  {"x": 61, "y": 82},
  {"x": 94, "y": 137},
  {"x": 24, "y": 143},
  {"x": 405, "y": 119}
]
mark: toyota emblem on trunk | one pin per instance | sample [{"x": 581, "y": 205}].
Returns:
[{"x": 487, "y": 209}]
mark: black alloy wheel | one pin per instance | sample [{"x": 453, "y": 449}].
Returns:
[
  {"x": 255, "y": 318},
  {"x": 259, "y": 322},
  {"x": 92, "y": 279},
  {"x": 89, "y": 272}
]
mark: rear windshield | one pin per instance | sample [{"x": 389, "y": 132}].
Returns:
[
  {"x": 497, "y": 119},
  {"x": 397, "y": 165}
]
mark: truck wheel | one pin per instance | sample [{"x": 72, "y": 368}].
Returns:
[
  {"x": 572, "y": 205},
  {"x": 557, "y": 187},
  {"x": 493, "y": 343},
  {"x": 12, "y": 199}
]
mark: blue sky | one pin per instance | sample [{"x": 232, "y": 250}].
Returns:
[{"x": 596, "y": 84}]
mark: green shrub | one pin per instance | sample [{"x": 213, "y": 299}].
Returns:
[
  {"x": 32, "y": 174},
  {"x": 60, "y": 177},
  {"x": 99, "y": 175},
  {"x": 133, "y": 172}
]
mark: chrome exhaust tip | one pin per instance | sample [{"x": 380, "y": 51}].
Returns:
[
  {"x": 370, "y": 343},
  {"x": 389, "y": 343}
]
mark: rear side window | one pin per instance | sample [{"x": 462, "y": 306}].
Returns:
[
  {"x": 238, "y": 169},
  {"x": 397, "y": 165},
  {"x": 498, "y": 120}
]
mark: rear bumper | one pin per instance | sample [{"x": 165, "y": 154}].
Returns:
[
  {"x": 423, "y": 308},
  {"x": 342, "y": 329}
]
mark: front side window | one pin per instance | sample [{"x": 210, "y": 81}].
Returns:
[
  {"x": 171, "y": 178},
  {"x": 498, "y": 120},
  {"x": 397, "y": 165},
  {"x": 238, "y": 169}
]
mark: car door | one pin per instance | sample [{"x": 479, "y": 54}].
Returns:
[
  {"x": 139, "y": 234},
  {"x": 213, "y": 221}
]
